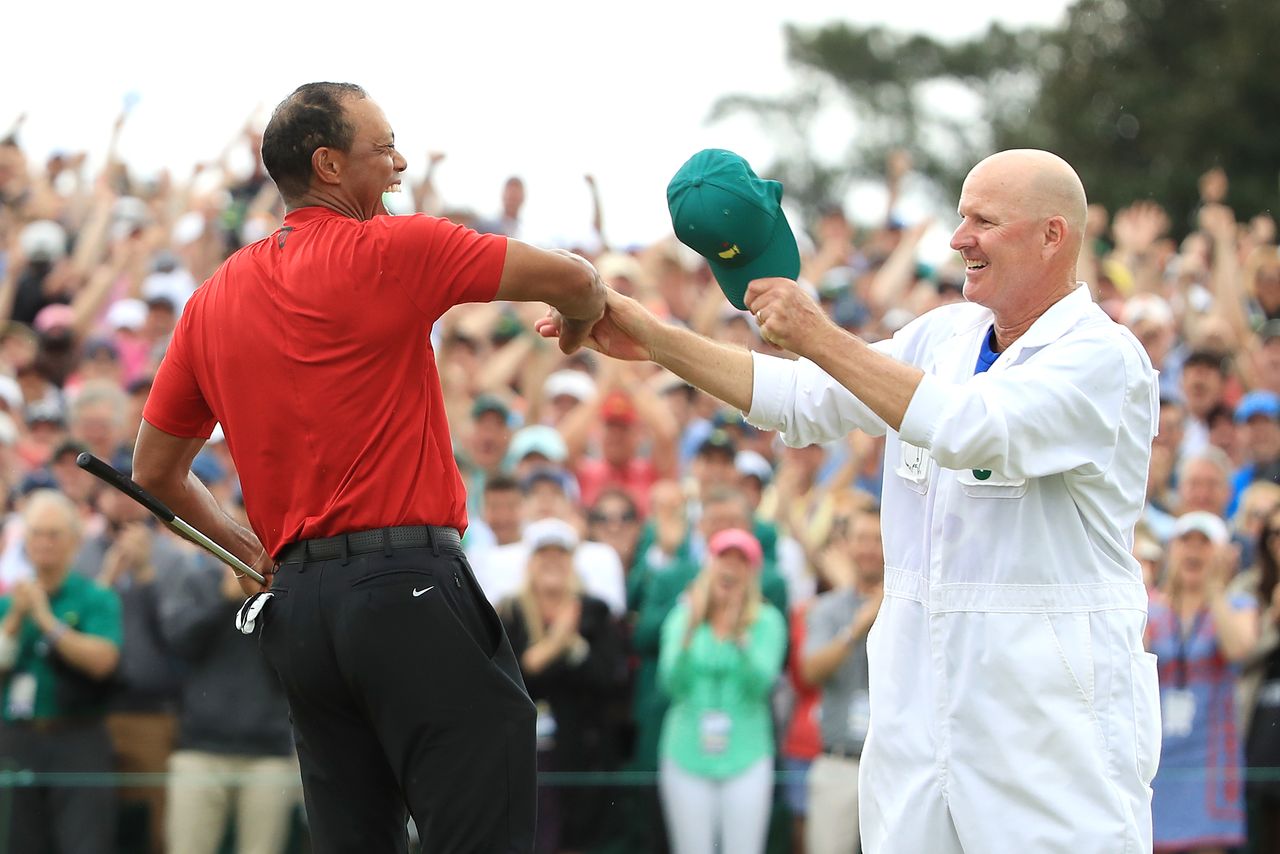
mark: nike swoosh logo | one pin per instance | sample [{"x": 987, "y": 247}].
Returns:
[{"x": 417, "y": 593}]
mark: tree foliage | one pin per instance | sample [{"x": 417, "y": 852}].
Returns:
[{"x": 1141, "y": 96}]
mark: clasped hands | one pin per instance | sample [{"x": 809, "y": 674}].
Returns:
[{"x": 788, "y": 318}]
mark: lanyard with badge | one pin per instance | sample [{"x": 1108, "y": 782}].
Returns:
[
  {"x": 714, "y": 725},
  {"x": 21, "y": 699},
  {"x": 1178, "y": 711}
]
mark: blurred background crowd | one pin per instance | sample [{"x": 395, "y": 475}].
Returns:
[{"x": 628, "y": 528}]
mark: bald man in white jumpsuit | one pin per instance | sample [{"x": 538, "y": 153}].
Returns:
[{"x": 1013, "y": 708}]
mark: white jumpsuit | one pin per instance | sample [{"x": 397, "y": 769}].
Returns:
[{"x": 1013, "y": 708}]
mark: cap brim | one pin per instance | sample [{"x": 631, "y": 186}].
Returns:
[{"x": 780, "y": 258}]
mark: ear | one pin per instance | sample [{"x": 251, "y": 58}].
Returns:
[
  {"x": 1054, "y": 235},
  {"x": 326, "y": 165}
]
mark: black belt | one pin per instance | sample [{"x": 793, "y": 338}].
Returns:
[{"x": 366, "y": 542}]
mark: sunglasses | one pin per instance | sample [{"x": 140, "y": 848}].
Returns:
[{"x": 597, "y": 518}]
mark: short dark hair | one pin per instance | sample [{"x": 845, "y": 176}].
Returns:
[
  {"x": 312, "y": 117},
  {"x": 1208, "y": 359},
  {"x": 1219, "y": 412},
  {"x": 501, "y": 483}
]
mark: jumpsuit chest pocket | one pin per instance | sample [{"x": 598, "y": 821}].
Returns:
[
  {"x": 985, "y": 483},
  {"x": 915, "y": 466}
]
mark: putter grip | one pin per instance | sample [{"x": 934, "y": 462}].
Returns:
[{"x": 107, "y": 474}]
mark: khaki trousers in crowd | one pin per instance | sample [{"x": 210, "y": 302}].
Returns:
[
  {"x": 201, "y": 800},
  {"x": 832, "y": 824},
  {"x": 142, "y": 742}
]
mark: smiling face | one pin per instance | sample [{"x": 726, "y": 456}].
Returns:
[
  {"x": 729, "y": 573},
  {"x": 1022, "y": 216},
  {"x": 52, "y": 536},
  {"x": 372, "y": 166},
  {"x": 551, "y": 571},
  {"x": 1189, "y": 557},
  {"x": 1203, "y": 485},
  {"x": 995, "y": 239}
]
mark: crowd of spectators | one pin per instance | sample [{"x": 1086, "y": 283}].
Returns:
[{"x": 689, "y": 599}]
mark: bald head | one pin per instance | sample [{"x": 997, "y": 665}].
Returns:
[
  {"x": 1044, "y": 184},
  {"x": 1022, "y": 226}
]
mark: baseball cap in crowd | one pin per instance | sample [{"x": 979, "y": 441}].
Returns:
[
  {"x": 752, "y": 464},
  {"x": 129, "y": 313},
  {"x": 176, "y": 285},
  {"x": 557, "y": 477},
  {"x": 550, "y": 534},
  {"x": 187, "y": 228},
  {"x": 736, "y": 539},
  {"x": 43, "y": 240},
  {"x": 56, "y": 315},
  {"x": 164, "y": 261},
  {"x": 37, "y": 479},
  {"x": 96, "y": 347},
  {"x": 537, "y": 439},
  {"x": 616, "y": 265},
  {"x": 1203, "y": 522},
  {"x": 1118, "y": 275},
  {"x": 718, "y": 441},
  {"x": 1258, "y": 403},
  {"x": 486, "y": 403},
  {"x": 45, "y": 411},
  {"x": 617, "y": 408},
  {"x": 723, "y": 211},
  {"x": 575, "y": 384},
  {"x": 1146, "y": 308}
]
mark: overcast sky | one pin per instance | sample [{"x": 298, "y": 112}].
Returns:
[{"x": 546, "y": 90}]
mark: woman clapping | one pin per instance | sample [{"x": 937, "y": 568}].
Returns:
[{"x": 721, "y": 651}]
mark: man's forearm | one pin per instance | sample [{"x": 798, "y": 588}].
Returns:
[
  {"x": 818, "y": 666},
  {"x": 881, "y": 382},
  {"x": 198, "y": 508},
  {"x": 95, "y": 656},
  {"x": 721, "y": 370}
]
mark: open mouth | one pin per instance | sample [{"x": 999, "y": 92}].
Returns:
[
  {"x": 972, "y": 266},
  {"x": 392, "y": 187}
]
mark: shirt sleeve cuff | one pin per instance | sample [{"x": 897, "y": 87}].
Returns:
[
  {"x": 770, "y": 380},
  {"x": 924, "y": 412}
]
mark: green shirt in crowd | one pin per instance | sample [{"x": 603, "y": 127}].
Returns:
[
  {"x": 84, "y": 606},
  {"x": 720, "y": 721}
]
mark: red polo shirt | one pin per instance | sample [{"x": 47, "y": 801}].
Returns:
[{"x": 312, "y": 349}]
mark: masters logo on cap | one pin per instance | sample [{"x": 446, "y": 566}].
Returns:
[{"x": 724, "y": 212}]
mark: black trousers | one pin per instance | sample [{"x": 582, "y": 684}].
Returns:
[{"x": 404, "y": 693}]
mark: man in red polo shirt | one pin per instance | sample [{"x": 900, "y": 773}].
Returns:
[
  {"x": 628, "y": 419},
  {"x": 311, "y": 348}
]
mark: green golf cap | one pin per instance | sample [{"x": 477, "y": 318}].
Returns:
[{"x": 727, "y": 214}]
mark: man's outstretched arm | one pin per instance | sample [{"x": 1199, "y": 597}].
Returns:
[{"x": 629, "y": 331}]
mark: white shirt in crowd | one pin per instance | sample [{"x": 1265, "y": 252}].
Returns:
[{"x": 500, "y": 571}]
